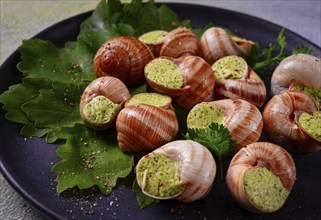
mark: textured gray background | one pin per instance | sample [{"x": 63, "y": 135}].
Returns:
[{"x": 17, "y": 23}]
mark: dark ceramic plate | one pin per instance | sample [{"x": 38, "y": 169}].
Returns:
[{"x": 27, "y": 164}]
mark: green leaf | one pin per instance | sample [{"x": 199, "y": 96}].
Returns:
[
  {"x": 90, "y": 159},
  {"x": 270, "y": 55},
  {"x": 216, "y": 138},
  {"x": 142, "y": 199},
  {"x": 55, "y": 108},
  {"x": 42, "y": 59},
  {"x": 302, "y": 49},
  {"x": 16, "y": 96}
]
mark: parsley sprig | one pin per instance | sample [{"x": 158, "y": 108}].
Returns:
[
  {"x": 261, "y": 62},
  {"x": 273, "y": 54},
  {"x": 216, "y": 138}
]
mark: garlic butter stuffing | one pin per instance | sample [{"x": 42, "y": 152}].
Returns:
[{"x": 222, "y": 94}]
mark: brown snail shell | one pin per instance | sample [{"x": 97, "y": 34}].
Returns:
[
  {"x": 242, "y": 119},
  {"x": 250, "y": 88},
  {"x": 156, "y": 45},
  {"x": 123, "y": 57},
  {"x": 199, "y": 76},
  {"x": 298, "y": 69},
  {"x": 216, "y": 43},
  {"x": 111, "y": 88},
  {"x": 198, "y": 79},
  {"x": 144, "y": 127},
  {"x": 280, "y": 121},
  {"x": 259, "y": 154},
  {"x": 179, "y": 42}
]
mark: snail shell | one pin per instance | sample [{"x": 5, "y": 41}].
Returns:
[
  {"x": 280, "y": 121},
  {"x": 143, "y": 127},
  {"x": 216, "y": 43},
  {"x": 242, "y": 119},
  {"x": 196, "y": 168},
  {"x": 154, "y": 40},
  {"x": 109, "y": 87},
  {"x": 250, "y": 88},
  {"x": 198, "y": 78},
  {"x": 300, "y": 69},
  {"x": 259, "y": 154},
  {"x": 123, "y": 57},
  {"x": 179, "y": 42}
]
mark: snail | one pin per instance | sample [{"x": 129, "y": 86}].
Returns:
[
  {"x": 260, "y": 177},
  {"x": 241, "y": 118},
  {"x": 283, "y": 124},
  {"x": 216, "y": 43},
  {"x": 179, "y": 42},
  {"x": 123, "y": 57},
  {"x": 154, "y": 40},
  {"x": 299, "y": 69},
  {"x": 188, "y": 79},
  {"x": 147, "y": 122},
  {"x": 235, "y": 79},
  {"x": 101, "y": 102},
  {"x": 181, "y": 169}
]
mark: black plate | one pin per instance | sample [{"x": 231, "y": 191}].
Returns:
[{"x": 27, "y": 163}]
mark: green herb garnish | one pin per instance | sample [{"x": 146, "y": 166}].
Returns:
[
  {"x": 261, "y": 62},
  {"x": 216, "y": 138},
  {"x": 273, "y": 54}
]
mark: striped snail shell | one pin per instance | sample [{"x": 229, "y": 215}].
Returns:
[
  {"x": 197, "y": 81},
  {"x": 261, "y": 176},
  {"x": 250, "y": 88},
  {"x": 101, "y": 95},
  {"x": 195, "y": 170},
  {"x": 216, "y": 43},
  {"x": 179, "y": 42},
  {"x": 298, "y": 69},
  {"x": 281, "y": 126},
  {"x": 241, "y": 118},
  {"x": 247, "y": 85},
  {"x": 123, "y": 57},
  {"x": 154, "y": 40},
  {"x": 143, "y": 127}
]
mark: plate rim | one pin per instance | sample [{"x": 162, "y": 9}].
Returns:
[{"x": 42, "y": 208}]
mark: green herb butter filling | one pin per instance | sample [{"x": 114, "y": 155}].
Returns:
[
  {"x": 230, "y": 67},
  {"x": 164, "y": 72},
  {"x": 153, "y": 99},
  {"x": 153, "y": 37},
  {"x": 264, "y": 190},
  {"x": 157, "y": 174},
  {"x": 313, "y": 92},
  {"x": 203, "y": 115},
  {"x": 311, "y": 123},
  {"x": 100, "y": 110}
]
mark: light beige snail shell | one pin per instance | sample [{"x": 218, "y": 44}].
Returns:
[
  {"x": 298, "y": 69},
  {"x": 242, "y": 119},
  {"x": 216, "y": 43},
  {"x": 111, "y": 88},
  {"x": 142, "y": 127},
  {"x": 123, "y": 57},
  {"x": 179, "y": 42},
  {"x": 280, "y": 122},
  {"x": 250, "y": 88},
  {"x": 259, "y": 154},
  {"x": 197, "y": 168}
]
